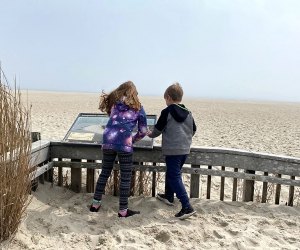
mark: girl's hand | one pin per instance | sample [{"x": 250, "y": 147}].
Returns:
[{"x": 149, "y": 132}]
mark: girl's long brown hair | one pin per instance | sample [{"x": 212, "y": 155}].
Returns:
[{"x": 127, "y": 90}]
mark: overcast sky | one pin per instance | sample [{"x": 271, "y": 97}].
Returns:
[{"x": 214, "y": 48}]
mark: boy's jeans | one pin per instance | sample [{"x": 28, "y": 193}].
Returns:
[{"x": 174, "y": 182}]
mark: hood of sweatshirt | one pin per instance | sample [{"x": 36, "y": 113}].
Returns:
[{"x": 179, "y": 112}]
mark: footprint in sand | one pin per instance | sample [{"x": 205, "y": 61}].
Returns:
[
  {"x": 163, "y": 236},
  {"x": 219, "y": 236}
]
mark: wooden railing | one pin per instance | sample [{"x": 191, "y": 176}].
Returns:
[{"x": 224, "y": 163}]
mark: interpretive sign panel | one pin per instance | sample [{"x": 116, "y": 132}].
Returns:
[{"x": 88, "y": 128}]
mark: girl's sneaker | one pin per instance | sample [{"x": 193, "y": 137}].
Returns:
[
  {"x": 128, "y": 213},
  {"x": 95, "y": 206}
]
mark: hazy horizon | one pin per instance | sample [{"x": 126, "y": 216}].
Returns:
[
  {"x": 244, "y": 50},
  {"x": 161, "y": 96}
]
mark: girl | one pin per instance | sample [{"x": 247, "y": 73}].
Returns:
[{"x": 125, "y": 112}]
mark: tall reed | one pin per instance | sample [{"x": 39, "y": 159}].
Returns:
[{"x": 15, "y": 171}]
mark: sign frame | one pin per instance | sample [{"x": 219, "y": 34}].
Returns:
[{"x": 88, "y": 129}]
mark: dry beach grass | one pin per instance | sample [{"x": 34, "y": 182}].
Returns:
[{"x": 15, "y": 148}]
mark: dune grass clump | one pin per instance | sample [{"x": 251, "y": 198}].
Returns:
[{"x": 15, "y": 172}]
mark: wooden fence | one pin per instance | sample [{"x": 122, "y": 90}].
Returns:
[{"x": 220, "y": 162}]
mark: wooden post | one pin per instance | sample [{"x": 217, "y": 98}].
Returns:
[
  {"x": 195, "y": 184},
  {"x": 154, "y": 181},
  {"x": 222, "y": 185},
  {"x": 141, "y": 181},
  {"x": 133, "y": 177},
  {"x": 248, "y": 189},
  {"x": 76, "y": 175},
  {"x": 49, "y": 175},
  {"x": 208, "y": 185},
  {"x": 234, "y": 186},
  {"x": 291, "y": 194},
  {"x": 264, "y": 190},
  {"x": 34, "y": 184},
  {"x": 42, "y": 178},
  {"x": 35, "y": 136},
  {"x": 60, "y": 175},
  {"x": 90, "y": 179},
  {"x": 277, "y": 192}
]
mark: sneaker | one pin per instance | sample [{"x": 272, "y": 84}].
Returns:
[
  {"x": 185, "y": 213},
  {"x": 162, "y": 197},
  {"x": 95, "y": 206},
  {"x": 129, "y": 213}
]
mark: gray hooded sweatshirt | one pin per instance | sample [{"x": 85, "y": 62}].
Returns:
[{"x": 177, "y": 126}]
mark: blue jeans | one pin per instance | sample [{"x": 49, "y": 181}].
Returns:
[{"x": 174, "y": 182}]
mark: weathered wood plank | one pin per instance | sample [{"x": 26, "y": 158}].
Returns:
[
  {"x": 41, "y": 170},
  {"x": 202, "y": 171},
  {"x": 198, "y": 156},
  {"x": 256, "y": 162},
  {"x": 40, "y": 152},
  {"x": 75, "y": 151},
  {"x": 38, "y": 145}
]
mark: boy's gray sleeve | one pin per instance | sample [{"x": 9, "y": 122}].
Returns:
[
  {"x": 161, "y": 123},
  {"x": 155, "y": 133},
  {"x": 194, "y": 127}
]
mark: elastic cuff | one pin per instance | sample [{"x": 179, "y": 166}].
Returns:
[{"x": 96, "y": 201}]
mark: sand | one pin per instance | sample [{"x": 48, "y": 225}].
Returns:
[
  {"x": 271, "y": 127},
  {"x": 57, "y": 218}
]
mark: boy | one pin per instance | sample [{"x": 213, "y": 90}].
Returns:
[{"x": 177, "y": 126}]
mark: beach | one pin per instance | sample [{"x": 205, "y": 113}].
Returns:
[
  {"x": 270, "y": 127},
  {"x": 58, "y": 218}
]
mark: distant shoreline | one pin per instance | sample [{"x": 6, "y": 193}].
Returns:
[{"x": 214, "y": 99}]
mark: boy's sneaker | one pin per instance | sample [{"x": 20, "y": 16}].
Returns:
[
  {"x": 185, "y": 213},
  {"x": 162, "y": 197},
  {"x": 129, "y": 213}
]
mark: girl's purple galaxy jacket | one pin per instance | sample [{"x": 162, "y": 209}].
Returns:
[{"x": 118, "y": 131}]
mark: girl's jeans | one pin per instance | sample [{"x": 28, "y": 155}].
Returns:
[{"x": 174, "y": 182}]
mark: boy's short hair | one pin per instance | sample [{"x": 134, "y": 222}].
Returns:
[{"x": 174, "y": 91}]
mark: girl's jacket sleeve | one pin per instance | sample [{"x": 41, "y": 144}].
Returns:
[{"x": 142, "y": 126}]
